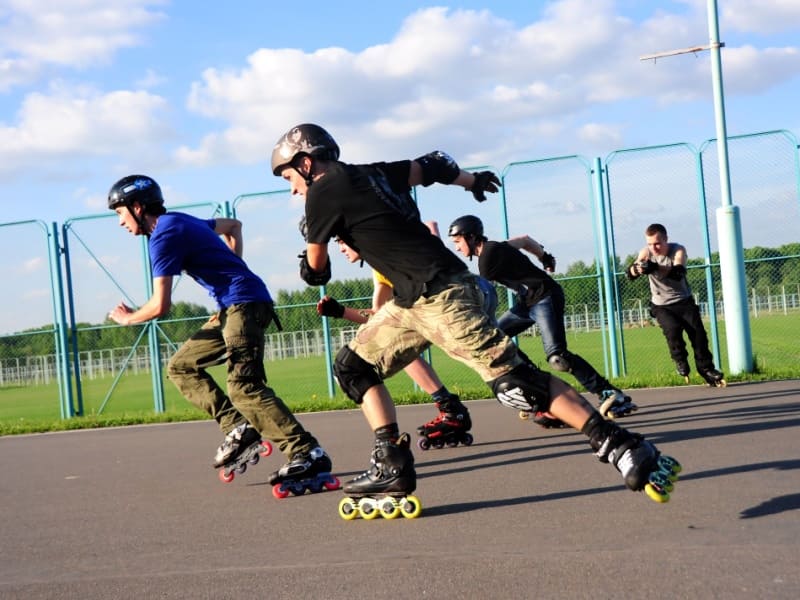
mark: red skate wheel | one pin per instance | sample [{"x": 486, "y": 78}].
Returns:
[
  {"x": 332, "y": 483},
  {"x": 279, "y": 491},
  {"x": 225, "y": 478},
  {"x": 266, "y": 448}
]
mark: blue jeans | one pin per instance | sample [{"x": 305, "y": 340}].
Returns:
[{"x": 548, "y": 314}]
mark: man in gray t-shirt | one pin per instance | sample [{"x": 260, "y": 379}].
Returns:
[{"x": 672, "y": 304}]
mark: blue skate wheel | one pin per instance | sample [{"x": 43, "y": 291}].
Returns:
[{"x": 468, "y": 439}]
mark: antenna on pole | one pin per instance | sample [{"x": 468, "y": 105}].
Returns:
[{"x": 692, "y": 50}]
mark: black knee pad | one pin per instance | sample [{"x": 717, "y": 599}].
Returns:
[
  {"x": 523, "y": 388},
  {"x": 354, "y": 375},
  {"x": 561, "y": 361}
]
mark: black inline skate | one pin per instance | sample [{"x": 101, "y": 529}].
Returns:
[
  {"x": 641, "y": 464},
  {"x": 309, "y": 470},
  {"x": 384, "y": 489},
  {"x": 615, "y": 403},
  {"x": 683, "y": 369},
  {"x": 450, "y": 427},
  {"x": 241, "y": 447},
  {"x": 713, "y": 377}
]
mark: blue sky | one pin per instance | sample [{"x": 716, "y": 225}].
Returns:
[{"x": 196, "y": 93}]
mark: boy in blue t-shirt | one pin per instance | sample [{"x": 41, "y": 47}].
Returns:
[{"x": 209, "y": 251}]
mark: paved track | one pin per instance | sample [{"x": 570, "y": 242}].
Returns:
[{"x": 137, "y": 512}]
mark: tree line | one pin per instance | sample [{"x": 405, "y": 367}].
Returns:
[{"x": 765, "y": 268}]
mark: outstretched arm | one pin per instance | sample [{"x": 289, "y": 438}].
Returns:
[
  {"x": 439, "y": 167},
  {"x": 527, "y": 243}
]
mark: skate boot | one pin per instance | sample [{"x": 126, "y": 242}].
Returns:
[
  {"x": 641, "y": 464},
  {"x": 542, "y": 419},
  {"x": 615, "y": 404},
  {"x": 242, "y": 446},
  {"x": 682, "y": 367},
  {"x": 713, "y": 377},
  {"x": 305, "y": 471},
  {"x": 384, "y": 489},
  {"x": 448, "y": 428}
]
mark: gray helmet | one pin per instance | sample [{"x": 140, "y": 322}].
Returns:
[
  {"x": 466, "y": 226},
  {"x": 308, "y": 139},
  {"x": 135, "y": 188}
]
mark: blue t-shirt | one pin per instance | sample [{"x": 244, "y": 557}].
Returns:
[{"x": 183, "y": 243}]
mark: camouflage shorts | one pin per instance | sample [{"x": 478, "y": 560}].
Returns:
[{"x": 452, "y": 319}]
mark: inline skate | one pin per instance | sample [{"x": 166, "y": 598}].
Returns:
[
  {"x": 450, "y": 427},
  {"x": 242, "y": 447},
  {"x": 683, "y": 369},
  {"x": 309, "y": 470},
  {"x": 615, "y": 404},
  {"x": 385, "y": 488},
  {"x": 713, "y": 377}
]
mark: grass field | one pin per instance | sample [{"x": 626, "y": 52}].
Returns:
[{"x": 302, "y": 384}]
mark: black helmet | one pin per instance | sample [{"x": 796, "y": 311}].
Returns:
[
  {"x": 468, "y": 225},
  {"x": 308, "y": 139},
  {"x": 135, "y": 188}
]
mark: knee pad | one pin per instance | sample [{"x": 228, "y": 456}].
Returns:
[
  {"x": 523, "y": 388},
  {"x": 561, "y": 361},
  {"x": 354, "y": 375}
]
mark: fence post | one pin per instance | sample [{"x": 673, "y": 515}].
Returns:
[{"x": 64, "y": 380}]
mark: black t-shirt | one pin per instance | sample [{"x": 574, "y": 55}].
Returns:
[
  {"x": 371, "y": 209},
  {"x": 505, "y": 264}
]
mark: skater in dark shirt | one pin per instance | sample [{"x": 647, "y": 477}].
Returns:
[
  {"x": 672, "y": 304},
  {"x": 210, "y": 252},
  {"x": 540, "y": 300},
  {"x": 436, "y": 301}
]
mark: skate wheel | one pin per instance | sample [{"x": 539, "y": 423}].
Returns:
[
  {"x": 661, "y": 480},
  {"x": 225, "y": 477},
  {"x": 315, "y": 486},
  {"x": 266, "y": 448},
  {"x": 241, "y": 468},
  {"x": 279, "y": 491},
  {"x": 368, "y": 509},
  {"x": 332, "y": 483},
  {"x": 389, "y": 508},
  {"x": 670, "y": 465},
  {"x": 348, "y": 509},
  {"x": 660, "y": 496},
  {"x": 411, "y": 507},
  {"x": 296, "y": 488},
  {"x": 438, "y": 444},
  {"x": 423, "y": 444},
  {"x": 452, "y": 443},
  {"x": 524, "y": 415},
  {"x": 253, "y": 460},
  {"x": 468, "y": 439}
]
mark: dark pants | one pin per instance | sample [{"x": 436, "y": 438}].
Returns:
[
  {"x": 548, "y": 313},
  {"x": 674, "y": 320},
  {"x": 235, "y": 336}
]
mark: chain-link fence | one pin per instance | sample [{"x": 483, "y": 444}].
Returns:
[{"x": 590, "y": 214}]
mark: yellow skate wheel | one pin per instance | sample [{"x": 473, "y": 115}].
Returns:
[
  {"x": 524, "y": 415},
  {"x": 368, "y": 508},
  {"x": 411, "y": 507},
  {"x": 660, "y": 496},
  {"x": 389, "y": 508},
  {"x": 348, "y": 509}
]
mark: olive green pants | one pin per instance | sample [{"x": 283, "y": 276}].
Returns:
[
  {"x": 235, "y": 336},
  {"x": 452, "y": 319}
]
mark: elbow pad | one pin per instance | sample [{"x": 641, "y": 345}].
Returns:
[
  {"x": 309, "y": 275},
  {"x": 677, "y": 272},
  {"x": 438, "y": 167}
]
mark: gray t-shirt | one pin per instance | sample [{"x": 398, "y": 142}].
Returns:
[{"x": 663, "y": 289}]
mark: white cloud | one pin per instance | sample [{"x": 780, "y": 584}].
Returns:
[
  {"x": 37, "y": 36},
  {"x": 770, "y": 16},
  {"x": 464, "y": 72}
]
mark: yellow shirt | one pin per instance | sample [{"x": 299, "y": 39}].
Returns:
[{"x": 379, "y": 278}]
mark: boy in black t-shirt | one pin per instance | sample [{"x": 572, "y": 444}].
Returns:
[
  {"x": 540, "y": 300},
  {"x": 436, "y": 301}
]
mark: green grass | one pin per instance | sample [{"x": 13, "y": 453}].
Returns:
[{"x": 302, "y": 384}]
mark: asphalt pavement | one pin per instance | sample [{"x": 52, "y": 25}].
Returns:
[{"x": 138, "y": 512}]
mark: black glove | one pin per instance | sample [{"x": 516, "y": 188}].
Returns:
[
  {"x": 632, "y": 272},
  {"x": 309, "y": 275},
  {"x": 329, "y": 307},
  {"x": 548, "y": 262},
  {"x": 648, "y": 267},
  {"x": 677, "y": 272},
  {"x": 485, "y": 181}
]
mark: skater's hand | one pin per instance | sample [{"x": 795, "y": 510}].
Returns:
[
  {"x": 548, "y": 262},
  {"x": 329, "y": 307},
  {"x": 485, "y": 181},
  {"x": 647, "y": 266}
]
